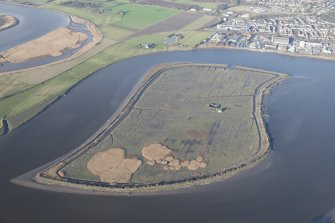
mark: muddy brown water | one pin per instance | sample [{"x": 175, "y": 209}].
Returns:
[{"x": 295, "y": 183}]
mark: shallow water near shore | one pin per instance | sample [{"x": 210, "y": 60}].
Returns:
[{"x": 295, "y": 183}]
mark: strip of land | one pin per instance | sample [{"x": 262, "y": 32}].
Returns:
[
  {"x": 7, "y": 22},
  {"x": 187, "y": 154}
]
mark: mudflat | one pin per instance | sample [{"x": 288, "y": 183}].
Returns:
[{"x": 51, "y": 44}]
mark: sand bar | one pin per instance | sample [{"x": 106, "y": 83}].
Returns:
[
  {"x": 52, "y": 44},
  {"x": 8, "y": 22}
]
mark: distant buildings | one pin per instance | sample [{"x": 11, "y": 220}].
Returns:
[
  {"x": 147, "y": 45},
  {"x": 299, "y": 34}
]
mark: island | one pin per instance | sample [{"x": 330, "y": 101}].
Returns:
[
  {"x": 7, "y": 21},
  {"x": 186, "y": 124}
]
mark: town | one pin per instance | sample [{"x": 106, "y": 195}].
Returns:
[{"x": 288, "y": 26}]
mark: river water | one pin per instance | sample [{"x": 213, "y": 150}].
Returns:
[{"x": 295, "y": 183}]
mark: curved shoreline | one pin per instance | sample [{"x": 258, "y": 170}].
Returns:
[
  {"x": 9, "y": 22},
  {"x": 52, "y": 180},
  {"x": 319, "y": 57}
]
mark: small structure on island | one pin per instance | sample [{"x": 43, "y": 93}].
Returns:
[
  {"x": 147, "y": 45},
  {"x": 217, "y": 107}
]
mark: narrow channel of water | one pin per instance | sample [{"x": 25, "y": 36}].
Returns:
[{"x": 295, "y": 183}]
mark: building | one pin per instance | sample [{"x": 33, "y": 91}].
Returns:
[
  {"x": 281, "y": 41},
  {"x": 216, "y": 107},
  {"x": 147, "y": 45}
]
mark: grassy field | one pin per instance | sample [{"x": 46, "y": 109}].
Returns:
[
  {"x": 211, "y": 5},
  {"x": 174, "y": 112},
  {"x": 24, "y": 94},
  {"x": 141, "y": 16},
  {"x": 126, "y": 15},
  {"x": 199, "y": 23}
]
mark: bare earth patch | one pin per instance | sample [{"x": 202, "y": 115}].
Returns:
[
  {"x": 155, "y": 152},
  {"x": 160, "y": 155},
  {"x": 112, "y": 166},
  {"x": 51, "y": 44}
]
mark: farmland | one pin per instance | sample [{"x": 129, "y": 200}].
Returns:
[{"x": 172, "y": 134}]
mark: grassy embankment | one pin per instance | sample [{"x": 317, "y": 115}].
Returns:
[{"x": 23, "y": 94}]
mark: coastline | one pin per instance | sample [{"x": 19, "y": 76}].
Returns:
[
  {"x": 319, "y": 57},
  {"x": 9, "y": 22},
  {"x": 55, "y": 183}
]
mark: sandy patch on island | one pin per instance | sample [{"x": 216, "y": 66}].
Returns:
[
  {"x": 158, "y": 154},
  {"x": 112, "y": 166},
  {"x": 155, "y": 152},
  {"x": 51, "y": 44}
]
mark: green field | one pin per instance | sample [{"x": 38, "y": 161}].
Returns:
[
  {"x": 126, "y": 15},
  {"x": 141, "y": 16},
  {"x": 174, "y": 112}
]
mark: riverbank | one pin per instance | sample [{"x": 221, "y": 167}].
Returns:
[
  {"x": 215, "y": 46},
  {"x": 7, "y": 22},
  {"x": 54, "y": 177}
]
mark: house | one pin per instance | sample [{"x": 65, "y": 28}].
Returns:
[
  {"x": 281, "y": 41},
  {"x": 214, "y": 106},
  {"x": 147, "y": 45},
  {"x": 217, "y": 107}
]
